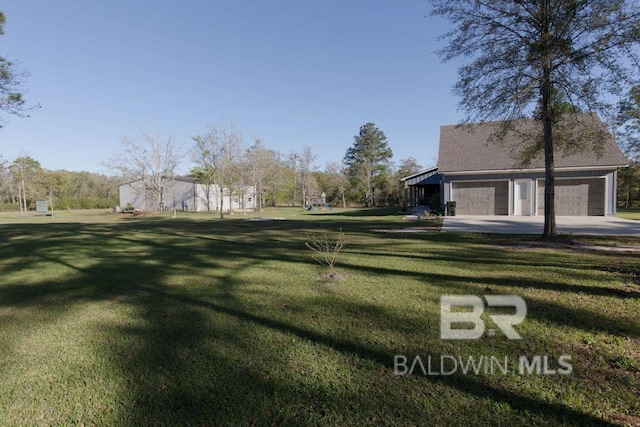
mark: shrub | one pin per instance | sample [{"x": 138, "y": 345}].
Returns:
[{"x": 326, "y": 248}]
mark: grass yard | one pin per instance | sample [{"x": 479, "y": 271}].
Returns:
[
  {"x": 629, "y": 213},
  {"x": 114, "y": 320}
]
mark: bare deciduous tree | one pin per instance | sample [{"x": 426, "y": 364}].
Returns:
[
  {"x": 24, "y": 170},
  {"x": 152, "y": 159},
  {"x": 302, "y": 164},
  {"x": 338, "y": 179},
  {"x": 262, "y": 165},
  {"x": 217, "y": 154}
]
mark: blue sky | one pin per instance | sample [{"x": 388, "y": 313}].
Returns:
[{"x": 292, "y": 73}]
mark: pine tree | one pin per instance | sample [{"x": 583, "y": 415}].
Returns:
[{"x": 368, "y": 161}]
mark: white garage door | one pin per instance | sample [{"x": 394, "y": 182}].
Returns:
[
  {"x": 481, "y": 198},
  {"x": 577, "y": 197}
]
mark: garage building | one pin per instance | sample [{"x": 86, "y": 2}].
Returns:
[{"x": 489, "y": 177}]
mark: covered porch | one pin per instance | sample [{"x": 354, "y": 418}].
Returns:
[{"x": 420, "y": 188}]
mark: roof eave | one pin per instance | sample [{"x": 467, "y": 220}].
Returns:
[
  {"x": 432, "y": 169},
  {"x": 558, "y": 169}
]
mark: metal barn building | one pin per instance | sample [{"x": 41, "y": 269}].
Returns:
[{"x": 186, "y": 194}]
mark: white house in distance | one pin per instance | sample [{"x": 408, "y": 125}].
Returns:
[{"x": 186, "y": 194}]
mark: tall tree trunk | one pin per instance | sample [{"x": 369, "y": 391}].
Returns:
[
  {"x": 295, "y": 193},
  {"x": 24, "y": 197},
  {"x": 304, "y": 197},
  {"x": 258, "y": 195},
  {"x": 20, "y": 200},
  {"x": 549, "y": 231},
  {"x": 370, "y": 188},
  {"x": 208, "y": 189},
  {"x": 221, "y": 202},
  {"x": 549, "y": 184},
  {"x": 244, "y": 210}
]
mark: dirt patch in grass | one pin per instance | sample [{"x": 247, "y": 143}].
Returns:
[
  {"x": 626, "y": 420},
  {"x": 617, "y": 248},
  {"x": 333, "y": 277}
]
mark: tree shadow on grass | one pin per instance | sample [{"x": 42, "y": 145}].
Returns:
[
  {"x": 360, "y": 212},
  {"x": 269, "y": 245},
  {"x": 188, "y": 358},
  {"x": 190, "y": 361}
]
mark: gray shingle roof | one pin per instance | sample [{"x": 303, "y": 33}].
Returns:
[{"x": 468, "y": 148}]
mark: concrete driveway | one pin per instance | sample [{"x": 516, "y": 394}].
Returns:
[{"x": 586, "y": 225}]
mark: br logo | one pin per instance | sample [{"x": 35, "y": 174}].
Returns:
[{"x": 504, "y": 322}]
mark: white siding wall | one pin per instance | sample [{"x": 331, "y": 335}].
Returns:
[
  {"x": 207, "y": 200},
  {"x": 186, "y": 195},
  {"x": 234, "y": 201},
  {"x": 175, "y": 194}
]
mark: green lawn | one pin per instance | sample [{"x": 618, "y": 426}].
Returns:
[
  {"x": 113, "y": 320},
  {"x": 629, "y": 213}
]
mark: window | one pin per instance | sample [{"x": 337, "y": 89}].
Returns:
[{"x": 524, "y": 191}]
